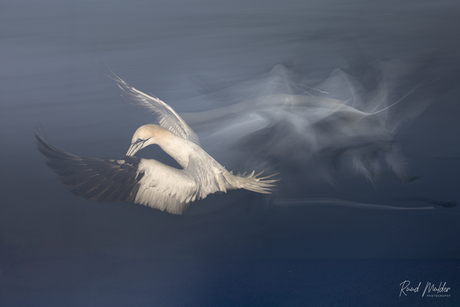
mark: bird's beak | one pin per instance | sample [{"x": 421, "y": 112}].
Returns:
[{"x": 134, "y": 148}]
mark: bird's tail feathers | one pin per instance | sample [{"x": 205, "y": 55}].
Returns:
[{"x": 254, "y": 183}]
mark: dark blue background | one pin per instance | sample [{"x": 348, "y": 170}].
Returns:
[{"x": 228, "y": 250}]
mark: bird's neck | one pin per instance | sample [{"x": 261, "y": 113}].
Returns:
[{"x": 178, "y": 149}]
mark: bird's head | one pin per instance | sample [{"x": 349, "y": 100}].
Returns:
[{"x": 147, "y": 135}]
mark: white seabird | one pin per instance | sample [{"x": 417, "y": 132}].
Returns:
[{"x": 147, "y": 181}]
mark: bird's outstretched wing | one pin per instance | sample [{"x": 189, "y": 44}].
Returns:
[
  {"x": 166, "y": 116},
  {"x": 132, "y": 179}
]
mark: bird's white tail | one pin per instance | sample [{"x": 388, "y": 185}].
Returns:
[{"x": 254, "y": 183}]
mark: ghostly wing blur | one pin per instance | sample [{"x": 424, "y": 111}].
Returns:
[
  {"x": 140, "y": 181},
  {"x": 346, "y": 120},
  {"x": 166, "y": 116}
]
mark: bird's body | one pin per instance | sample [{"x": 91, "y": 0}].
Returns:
[
  {"x": 201, "y": 174},
  {"x": 148, "y": 181}
]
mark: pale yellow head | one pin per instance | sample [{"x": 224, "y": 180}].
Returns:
[{"x": 147, "y": 135}]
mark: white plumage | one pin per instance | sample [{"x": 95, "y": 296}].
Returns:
[
  {"x": 167, "y": 188},
  {"x": 146, "y": 181}
]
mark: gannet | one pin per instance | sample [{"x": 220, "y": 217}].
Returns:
[{"x": 147, "y": 181}]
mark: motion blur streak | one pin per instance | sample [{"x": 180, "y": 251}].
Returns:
[
  {"x": 340, "y": 202},
  {"x": 285, "y": 122}
]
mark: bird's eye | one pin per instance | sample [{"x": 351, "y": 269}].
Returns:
[{"x": 139, "y": 140}]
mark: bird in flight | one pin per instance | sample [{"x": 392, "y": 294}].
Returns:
[{"x": 147, "y": 181}]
